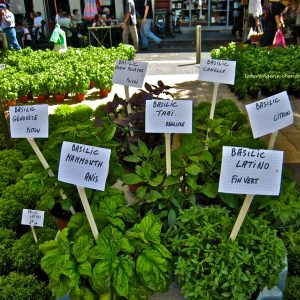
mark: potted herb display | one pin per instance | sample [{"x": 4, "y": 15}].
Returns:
[
  {"x": 39, "y": 86},
  {"x": 80, "y": 84},
  {"x": 24, "y": 85},
  {"x": 209, "y": 265}
]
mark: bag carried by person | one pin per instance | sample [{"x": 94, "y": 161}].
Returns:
[{"x": 279, "y": 39}]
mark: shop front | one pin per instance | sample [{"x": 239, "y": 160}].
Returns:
[{"x": 208, "y": 13}]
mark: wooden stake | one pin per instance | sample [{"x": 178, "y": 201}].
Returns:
[
  {"x": 42, "y": 159},
  {"x": 168, "y": 153},
  {"x": 34, "y": 234},
  {"x": 214, "y": 100},
  {"x": 129, "y": 110},
  {"x": 212, "y": 108},
  {"x": 240, "y": 219},
  {"x": 272, "y": 140},
  {"x": 88, "y": 211}
]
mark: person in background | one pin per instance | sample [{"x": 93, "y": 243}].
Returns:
[
  {"x": 273, "y": 22},
  {"x": 129, "y": 25},
  {"x": 146, "y": 33},
  {"x": 255, "y": 9},
  {"x": 66, "y": 25},
  {"x": 37, "y": 25},
  {"x": 75, "y": 18},
  {"x": 108, "y": 17},
  {"x": 98, "y": 21},
  {"x": 26, "y": 38},
  {"x": 8, "y": 27}
]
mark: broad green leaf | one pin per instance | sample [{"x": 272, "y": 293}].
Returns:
[
  {"x": 47, "y": 246},
  {"x": 121, "y": 281},
  {"x": 153, "y": 269},
  {"x": 171, "y": 218},
  {"x": 147, "y": 171},
  {"x": 69, "y": 270},
  {"x": 126, "y": 246},
  {"x": 132, "y": 158},
  {"x": 53, "y": 262},
  {"x": 210, "y": 190},
  {"x": 143, "y": 148},
  {"x": 194, "y": 169},
  {"x": 149, "y": 228},
  {"x": 171, "y": 180},
  {"x": 162, "y": 250},
  {"x": 85, "y": 268},
  {"x": 60, "y": 287},
  {"x": 208, "y": 156},
  {"x": 156, "y": 180},
  {"x": 131, "y": 179},
  {"x": 81, "y": 247},
  {"x": 117, "y": 222}
]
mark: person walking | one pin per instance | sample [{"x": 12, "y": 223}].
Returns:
[
  {"x": 129, "y": 25},
  {"x": 8, "y": 27},
  {"x": 146, "y": 33}
]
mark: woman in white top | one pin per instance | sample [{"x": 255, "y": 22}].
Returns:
[{"x": 255, "y": 9}]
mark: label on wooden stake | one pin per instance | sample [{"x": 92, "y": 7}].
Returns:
[
  {"x": 250, "y": 171},
  {"x": 169, "y": 116},
  {"x": 130, "y": 73},
  {"x": 216, "y": 70},
  {"x": 30, "y": 121},
  {"x": 270, "y": 114},
  {"x": 33, "y": 217},
  {"x": 84, "y": 165}
]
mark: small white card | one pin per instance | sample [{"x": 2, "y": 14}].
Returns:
[
  {"x": 169, "y": 116},
  {"x": 33, "y": 217},
  {"x": 130, "y": 73},
  {"x": 2, "y": 67},
  {"x": 29, "y": 121},
  {"x": 84, "y": 165},
  {"x": 216, "y": 70},
  {"x": 250, "y": 171},
  {"x": 270, "y": 114}
]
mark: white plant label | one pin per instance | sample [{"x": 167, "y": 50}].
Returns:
[
  {"x": 216, "y": 70},
  {"x": 169, "y": 116},
  {"x": 270, "y": 114},
  {"x": 84, "y": 165},
  {"x": 130, "y": 73},
  {"x": 29, "y": 121},
  {"x": 33, "y": 217},
  {"x": 250, "y": 171},
  {"x": 2, "y": 67}
]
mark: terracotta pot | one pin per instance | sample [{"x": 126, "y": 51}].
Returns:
[
  {"x": 133, "y": 187},
  {"x": 11, "y": 103},
  {"x": 61, "y": 223},
  {"x": 104, "y": 93},
  {"x": 41, "y": 98},
  {"x": 92, "y": 84},
  {"x": 59, "y": 97},
  {"x": 29, "y": 96},
  {"x": 79, "y": 97},
  {"x": 23, "y": 99}
]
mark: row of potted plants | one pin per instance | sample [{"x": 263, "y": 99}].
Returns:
[
  {"x": 179, "y": 223},
  {"x": 265, "y": 70},
  {"x": 41, "y": 73}
]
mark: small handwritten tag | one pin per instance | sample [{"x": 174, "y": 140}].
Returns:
[
  {"x": 29, "y": 121},
  {"x": 2, "y": 67},
  {"x": 169, "y": 116},
  {"x": 33, "y": 217},
  {"x": 250, "y": 171},
  {"x": 130, "y": 73},
  {"x": 216, "y": 70},
  {"x": 84, "y": 165},
  {"x": 270, "y": 114}
]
